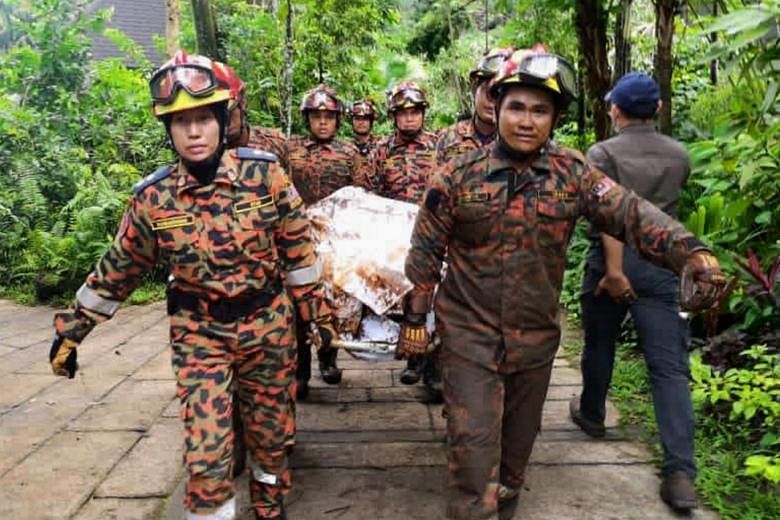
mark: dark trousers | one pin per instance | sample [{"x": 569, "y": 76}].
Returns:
[
  {"x": 492, "y": 422},
  {"x": 663, "y": 338}
]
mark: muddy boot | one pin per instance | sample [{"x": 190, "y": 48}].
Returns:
[
  {"x": 411, "y": 374},
  {"x": 330, "y": 373}
]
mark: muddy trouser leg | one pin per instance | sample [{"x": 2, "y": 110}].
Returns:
[
  {"x": 473, "y": 406},
  {"x": 203, "y": 362},
  {"x": 525, "y": 394},
  {"x": 266, "y": 383}
]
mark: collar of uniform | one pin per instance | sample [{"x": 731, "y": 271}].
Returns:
[
  {"x": 500, "y": 161},
  {"x": 639, "y": 128},
  {"x": 227, "y": 174},
  {"x": 311, "y": 142},
  {"x": 399, "y": 140}
]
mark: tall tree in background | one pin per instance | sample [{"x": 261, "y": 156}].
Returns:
[
  {"x": 590, "y": 20},
  {"x": 288, "y": 69},
  {"x": 622, "y": 39},
  {"x": 172, "y": 28},
  {"x": 664, "y": 29},
  {"x": 206, "y": 29}
]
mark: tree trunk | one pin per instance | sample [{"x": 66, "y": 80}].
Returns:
[
  {"x": 206, "y": 29},
  {"x": 288, "y": 71},
  {"x": 622, "y": 40},
  {"x": 591, "y": 23},
  {"x": 172, "y": 29},
  {"x": 664, "y": 30},
  {"x": 714, "y": 40}
]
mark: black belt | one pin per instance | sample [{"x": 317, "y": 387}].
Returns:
[{"x": 225, "y": 309}]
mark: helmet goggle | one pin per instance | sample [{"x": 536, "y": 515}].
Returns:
[
  {"x": 362, "y": 109},
  {"x": 552, "y": 70},
  {"x": 196, "y": 80},
  {"x": 407, "y": 98},
  {"x": 489, "y": 65}
]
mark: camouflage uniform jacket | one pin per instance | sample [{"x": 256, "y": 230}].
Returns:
[
  {"x": 318, "y": 169},
  {"x": 505, "y": 228},
  {"x": 457, "y": 139},
  {"x": 402, "y": 167},
  {"x": 232, "y": 238},
  {"x": 369, "y": 146},
  {"x": 270, "y": 139}
]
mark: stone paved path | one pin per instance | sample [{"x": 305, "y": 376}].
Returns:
[{"x": 107, "y": 445}]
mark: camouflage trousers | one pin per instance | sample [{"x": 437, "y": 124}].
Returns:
[
  {"x": 255, "y": 357},
  {"x": 492, "y": 421}
]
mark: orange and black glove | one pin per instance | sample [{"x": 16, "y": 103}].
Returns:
[
  {"x": 413, "y": 339},
  {"x": 701, "y": 282},
  {"x": 322, "y": 332},
  {"x": 62, "y": 356}
]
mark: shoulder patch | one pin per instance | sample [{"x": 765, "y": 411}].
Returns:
[
  {"x": 245, "y": 153},
  {"x": 152, "y": 178}
]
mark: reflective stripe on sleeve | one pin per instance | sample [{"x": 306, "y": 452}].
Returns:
[
  {"x": 90, "y": 299},
  {"x": 305, "y": 275},
  {"x": 226, "y": 511},
  {"x": 261, "y": 476}
]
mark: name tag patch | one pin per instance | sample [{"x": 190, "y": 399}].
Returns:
[
  {"x": 559, "y": 195},
  {"x": 251, "y": 205},
  {"x": 172, "y": 222},
  {"x": 474, "y": 196}
]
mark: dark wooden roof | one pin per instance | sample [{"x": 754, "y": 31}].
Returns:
[{"x": 138, "y": 19}]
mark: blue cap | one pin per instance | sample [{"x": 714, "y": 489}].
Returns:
[{"x": 636, "y": 93}]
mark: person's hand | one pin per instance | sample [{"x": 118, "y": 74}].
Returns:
[
  {"x": 618, "y": 287},
  {"x": 701, "y": 282},
  {"x": 413, "y": 339},
  {"x": 62, "y": 356},
  {"x": 322, "y": 333}
]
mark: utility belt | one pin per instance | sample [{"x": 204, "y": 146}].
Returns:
[{"x": 225, "y": 309}]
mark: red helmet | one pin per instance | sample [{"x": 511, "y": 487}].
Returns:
[
  {"x": 363, "y": 107},
  {"x": 186, "y": 82},
  {"x": 490, "y": 63},
  {"x": 321, "y": 97},
  {"x": 227, "y": 76},
  {"x": 406, "y": 94},
  {"x": 538, "y": 68}
]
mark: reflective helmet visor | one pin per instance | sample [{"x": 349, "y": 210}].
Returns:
[
  {"x": 552, "y": 70},
  {"x": 197, "y": 81},
  {"x": 407, "y": 98}
]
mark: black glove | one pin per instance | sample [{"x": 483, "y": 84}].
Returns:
[{"x": 62, "y": 356}]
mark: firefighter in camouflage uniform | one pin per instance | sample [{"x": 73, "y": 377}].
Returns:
[
  {"x": 402, "y": 164},
  {"x": 362, "y": 115},
  {"x": 480, "y": 129},
  {"x": 462, "y": 137},
  {"x": 320, "y": 164},
  {"x": 230, "y": 226},
  {"x": 504, "y": 215}
]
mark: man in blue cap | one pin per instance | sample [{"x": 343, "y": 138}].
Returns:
[{"x": 617, "y": 281}]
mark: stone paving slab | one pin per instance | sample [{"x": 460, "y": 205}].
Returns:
[
  {"x": 363, "y": 416},
  {"x": 121, "y": 509},
  {"x": 151, "y": 467},
  {"x": 132, "y": 405},
  {"x": 15, "y": 389},
  {"x": 159, "y": 367},
  {"x": 55, "y": 480}
]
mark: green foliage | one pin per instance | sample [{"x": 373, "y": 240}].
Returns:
[
  {"x": 746, "y": 399},
  {"x": 74, "y": 136}
]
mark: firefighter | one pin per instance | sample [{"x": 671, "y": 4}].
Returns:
[
  {"x": 230, "y": 226},
  {"x": 320, "y": 164},
  {"x": 504, "y": 215},
  {"x": 402, "y": 164},
  {"x": 363, "y": 115},
  {"x": 480, "y": 129}
]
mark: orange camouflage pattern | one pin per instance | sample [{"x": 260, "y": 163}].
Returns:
[
  {"x": 458, "y": 139},
  {"x": 233, "y": 238},
  {"x": 272, "y": 140},
  {"x": 319, "y": 168},
  {"x": 402, "y": 166},
  {"x": 368, "y": 146},
  {"x": 498, "y": 304}
]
